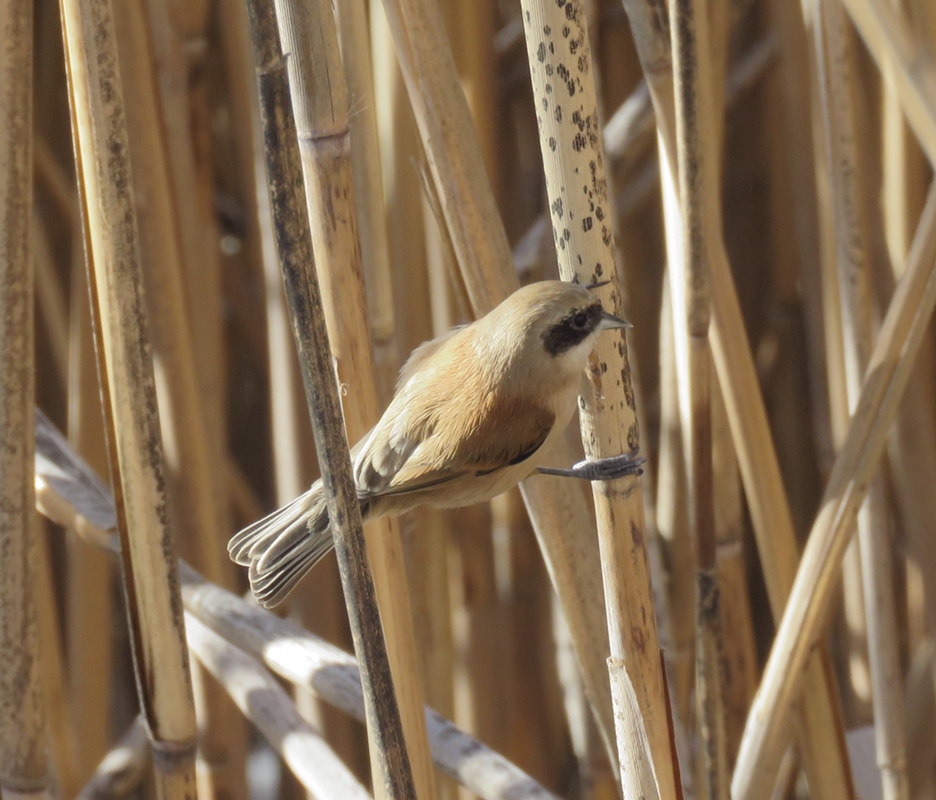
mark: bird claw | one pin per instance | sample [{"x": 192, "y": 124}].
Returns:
[{"x": 603, "y": 469}]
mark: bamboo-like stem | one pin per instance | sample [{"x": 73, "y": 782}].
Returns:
[
  {"x": 368, "y": 184},
  {"x": 265, "y": 703},
  {"x": 836, "y": 60},
  {"x": 560, "y": 63},
  {"x": 320, "y": 105},
  {"x": 125, "y": 367},
  {"x": 823, "y": 747},
  {"x": 23, "y": 764},
  {"x": 558, "y": 511},
  {"x": 698, "y": 161},
  {"x": 885, "y": 378},
  {"x": 189, "y": 457},
  {"x": 69, "y": 493},
  {"x": 122, "y": 769},
  {"x": 294, "y": 248}
]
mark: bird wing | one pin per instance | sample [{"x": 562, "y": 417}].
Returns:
[{"x": 507, "y": 433}]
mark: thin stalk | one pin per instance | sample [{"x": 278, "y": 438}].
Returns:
[
  {"x": 672, "y": 521},
  {"x": 823, "y": 747},
  {"x": 23, "y": 763},
  {"x": 90, "y": 589},
  {"x": 129, "y": 392},
  {"x": 836, "y": 59},
  {"x": 565, "y": 96},
  {"x": 294, "y": 247},
  {"x": 265, "y": 703},
  {"x": 698, "y": 160},
  {"x": 368, "y": 184},
  {"x": 190, "y": 459},
  {"x": 320, "y": 104},
  {"x": 886, "y": 377}
]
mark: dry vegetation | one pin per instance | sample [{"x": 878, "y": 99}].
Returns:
[{"x": 753, "y": 618}]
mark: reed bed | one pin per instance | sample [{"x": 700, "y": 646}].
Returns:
[{"x": 224, "y": 225}]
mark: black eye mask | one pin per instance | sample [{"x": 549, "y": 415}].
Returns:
[{"x": 573, "y": 330}]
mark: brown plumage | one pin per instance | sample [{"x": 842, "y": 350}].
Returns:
[{"x": 473, "y": 413}]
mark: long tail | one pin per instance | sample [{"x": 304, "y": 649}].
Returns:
[{"x": 283, "y": 546}]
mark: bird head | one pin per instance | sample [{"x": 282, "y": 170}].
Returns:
[{"x": 550, "y": 327}]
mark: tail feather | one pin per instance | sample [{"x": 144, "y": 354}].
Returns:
[{"x": 283, "y": 546}]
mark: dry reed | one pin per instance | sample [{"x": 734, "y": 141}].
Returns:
[
  {"x": 24, "y": 769},
  {"x": 774, "y": 251},
  {"x": 294, "y": 249},
  {"x": 129, "y": 395},
  {"x": 69, "y": 493},
  {"x": 560, "y": 63}
]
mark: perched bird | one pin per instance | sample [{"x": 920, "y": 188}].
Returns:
[{"x": 473, "y": 411}]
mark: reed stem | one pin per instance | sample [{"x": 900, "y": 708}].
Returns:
[
  {"x": 294, "y": 248},
  {"x": 125, "y": 370},
  {"x": 23, "y": 762}
]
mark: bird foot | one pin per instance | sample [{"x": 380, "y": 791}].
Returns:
[{"x": 604, "y": 469}]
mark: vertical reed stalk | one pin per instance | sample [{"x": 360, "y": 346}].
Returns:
[
  {"x": 886, "y": 377},
  {"x": 560, "y": 64},
  {"x": 126, "y": 372},
  {"x": 366, "y": 157},
  {"x": 672, "y": 523},
  {"x": 294, "y": 247},
  {"x": 823, "y": 748},
  {"x": 90, "y": 589},
  {"x": 191, "y": 462},
  {"x": 320, "y": 103},
  {"x": 698, "y": 190},
  {"x": 837, "y": 65},
  {"x": 23, "y": 764},
  {"x": 558, "y": 511}
]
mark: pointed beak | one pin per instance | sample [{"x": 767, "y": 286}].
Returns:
[{"x": 609, "y": 321}]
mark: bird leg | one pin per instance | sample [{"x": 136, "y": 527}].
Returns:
[{"x": 604, "y": 469}]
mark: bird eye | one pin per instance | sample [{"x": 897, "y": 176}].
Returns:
[{"x": 580, "y": 320}]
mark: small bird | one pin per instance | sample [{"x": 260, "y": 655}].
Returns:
[{"x": 473, "y": 412}]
